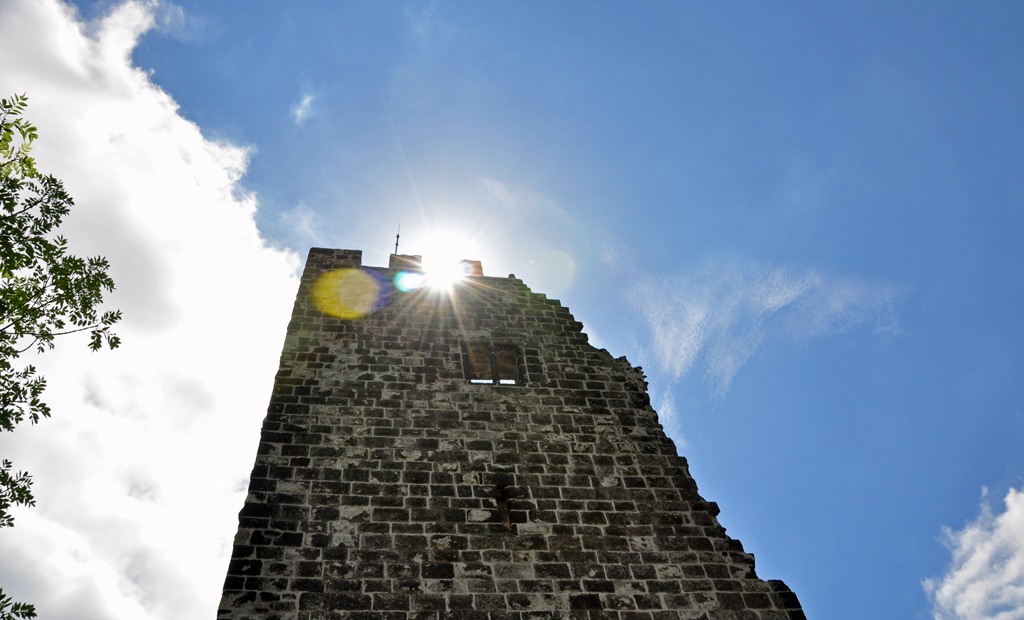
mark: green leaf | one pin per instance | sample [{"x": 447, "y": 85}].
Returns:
[
  {"x": 9, "y": 610},
  {"x": 45, "y": 292}
]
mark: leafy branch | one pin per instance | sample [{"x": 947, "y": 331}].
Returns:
[
  {"x": 45, "y": 292},
  {"x": 9, "y": 610}
]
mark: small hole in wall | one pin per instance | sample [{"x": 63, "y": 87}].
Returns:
[{"x": 502, "y": 500}]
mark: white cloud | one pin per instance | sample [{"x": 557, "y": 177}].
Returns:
[
  {"x": 171, "y": 20},
  {"x": 669, "y": 417},
  {"x": 304, "y": 224},
  {"x": 517, "y": 202},
  {"x": 141, "y": 472},
  {"x": 985, "y": 580},
  {"x": 303, "y": 108},
  {"x": 168, "y": 18},
  {"x": 721, "y": 312}
]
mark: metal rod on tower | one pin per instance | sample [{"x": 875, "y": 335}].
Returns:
[{"x": 396, "y": 237}]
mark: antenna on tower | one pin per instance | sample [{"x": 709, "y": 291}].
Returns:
[{"x": 397, "y": 235}]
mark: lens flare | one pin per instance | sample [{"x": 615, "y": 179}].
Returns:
[
  {"x": 346, "y": 293},
  {"x": 553, "y": 270},
  {"x": 442, "y": 275},
  {"x": 408, "y": 281},
  {"x": 444, "y": 251}
]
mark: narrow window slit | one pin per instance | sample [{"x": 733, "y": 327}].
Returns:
[{"x": 503, "y": 507}]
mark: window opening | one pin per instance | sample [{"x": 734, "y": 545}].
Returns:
[{"x": 489, "y": 363}]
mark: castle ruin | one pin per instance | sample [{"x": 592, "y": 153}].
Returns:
[{"x": 469, "y": 456}]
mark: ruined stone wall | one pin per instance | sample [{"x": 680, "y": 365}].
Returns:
[{"x": 384, "y": 478}]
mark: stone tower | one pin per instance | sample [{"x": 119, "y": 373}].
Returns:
[{"x": 470, "y": 457}]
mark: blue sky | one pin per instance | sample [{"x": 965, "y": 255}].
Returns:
[{"x": 804, "y": 220}]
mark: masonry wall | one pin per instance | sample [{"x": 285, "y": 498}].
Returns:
[{"x": 383, "y": 476}]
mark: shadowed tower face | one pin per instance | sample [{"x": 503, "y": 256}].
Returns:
[{"x": 469, "y": 455}]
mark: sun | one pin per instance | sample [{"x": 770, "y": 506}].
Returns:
[
  {"x": 445, "y": 276},
  {"x": 444, "y": 256}
]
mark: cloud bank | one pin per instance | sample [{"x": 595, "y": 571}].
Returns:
[
  {"x": 718, "y": 315},
  {"x": 141, "y": 471},
  {"x": 985, "y": 580}
]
